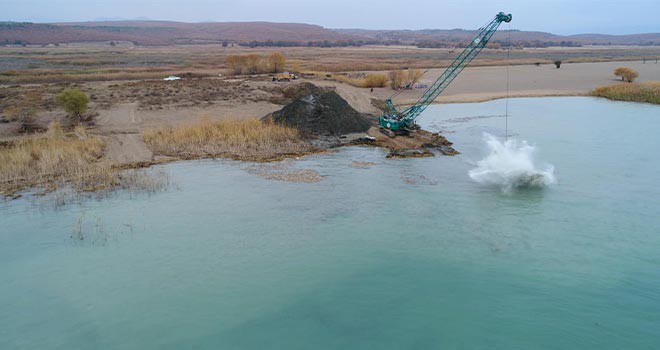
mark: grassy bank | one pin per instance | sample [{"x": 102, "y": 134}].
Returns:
[
  {"x": 634, "y": 92},
  {"x": 57, "y": 158},
  {"x": 236, "y": 139}
]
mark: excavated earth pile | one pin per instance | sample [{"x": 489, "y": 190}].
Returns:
[
  {"x": 327, "y": 121},
  {"x": 316, "y": 111}
]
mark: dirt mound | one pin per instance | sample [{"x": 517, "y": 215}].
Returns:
[
  {"x": 321, "y": 112},
  {"x": 302, "y": 89}
]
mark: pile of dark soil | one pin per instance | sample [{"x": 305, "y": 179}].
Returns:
[{"x": 315, "y": 111}]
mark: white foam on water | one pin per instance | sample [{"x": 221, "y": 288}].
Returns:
[{"x": 510, "y": 165}]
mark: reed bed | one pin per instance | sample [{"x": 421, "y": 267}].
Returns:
[
  {"x": 648, "y": 92},
  {"x": 43, "y": 159},
  {"x": 370, "y": 80},
  {"x": 236, "y": 139},
  {"x": 56, "y": 158}
]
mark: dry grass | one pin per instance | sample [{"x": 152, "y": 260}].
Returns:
[
  {"x": 634, "y": 92},
  {"x": 370, "y": 80},
  {"x": 237, "y": 139},
  {"x": 40, "y": 160},
  {"x": 105, "y": 63},
  {"x": 57, "y": 158}
]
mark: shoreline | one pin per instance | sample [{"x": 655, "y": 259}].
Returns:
[
  {"x": 416, "y": 146},
  {"x": 121, "y": 118}
]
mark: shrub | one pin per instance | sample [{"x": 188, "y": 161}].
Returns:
[
  {"x": 413, "y": 76},
  {"x": 626, "y": 74},
  {"x": 74, "y": 102},
  {"x": 397, "y": 79},
  {"x": 375, "y": 80}
]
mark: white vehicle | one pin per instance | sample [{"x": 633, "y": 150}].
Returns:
[{"x": 172, "y": 77}]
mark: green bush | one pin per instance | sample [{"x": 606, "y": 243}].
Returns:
[{"x": 74, "y": 102}]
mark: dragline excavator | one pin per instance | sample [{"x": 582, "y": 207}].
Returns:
[{"x": 395, "y": 121}]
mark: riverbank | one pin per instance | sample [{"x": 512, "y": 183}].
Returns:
[
  {"x": 125, "y": 111},
  {"x": 648, "y": 92}
]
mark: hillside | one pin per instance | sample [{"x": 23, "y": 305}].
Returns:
[
  {"x": 163, "y": 33},
  {"x": 531, "y": 38},
  {"x": 153, "y": 33}
]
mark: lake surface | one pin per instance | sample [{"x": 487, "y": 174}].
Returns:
[{"x": 405, "y": 254}]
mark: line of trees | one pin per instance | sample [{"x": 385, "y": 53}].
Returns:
[
  {"x": 318, "y": 43},
  {"x": 256, "y": 64},
  {"x": 496, "y": 44}
]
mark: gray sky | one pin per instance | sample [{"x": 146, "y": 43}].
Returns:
[{"x": 556, "y": 16}]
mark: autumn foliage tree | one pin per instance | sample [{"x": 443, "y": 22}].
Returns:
[
  {"x": 255, "y": 64},
  {"x": 402, "y": 79},
  {"x": 626, "y": 74},
  {"x": 397, "y": 79},
  {"x": 414, "y": 75},
  {"x": 252, "y": 63},
  {"x": 276, "y": 62},
  {"x": 235, "y": 63}
]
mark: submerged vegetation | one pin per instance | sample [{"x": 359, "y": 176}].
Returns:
[
  {"x": 634, "y": 92},
  {"x": 237, "y": 139},
  {"x": 57, "y": 158}
]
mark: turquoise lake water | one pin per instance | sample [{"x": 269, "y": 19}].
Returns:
[{"x": 406, "y": 254}]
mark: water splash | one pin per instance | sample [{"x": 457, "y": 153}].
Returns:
[{"x": 510, "y": 165}]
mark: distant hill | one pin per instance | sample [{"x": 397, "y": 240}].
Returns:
[
  {"x": 163, "y": 33},
  {"x": 530, "y": 38},
  {"x": 281, "y": 34}
]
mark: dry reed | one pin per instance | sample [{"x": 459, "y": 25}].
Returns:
[
  {"x": 368, "y": 81},
  {"x": 634, "y": 92},
  {"x": 56, "y": 158},
  {"x": 39, "y": 160},
  {"x": 237, "y": 139}
]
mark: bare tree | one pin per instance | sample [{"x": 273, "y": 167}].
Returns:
[
  {"x": 252, "y": 63},
  {"x": 235, "y": 63}
]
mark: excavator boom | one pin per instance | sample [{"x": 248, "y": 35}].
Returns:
[{"x": 395, "y": 119}]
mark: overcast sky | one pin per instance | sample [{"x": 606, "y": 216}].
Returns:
[{"x": 556, "y": 16}]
